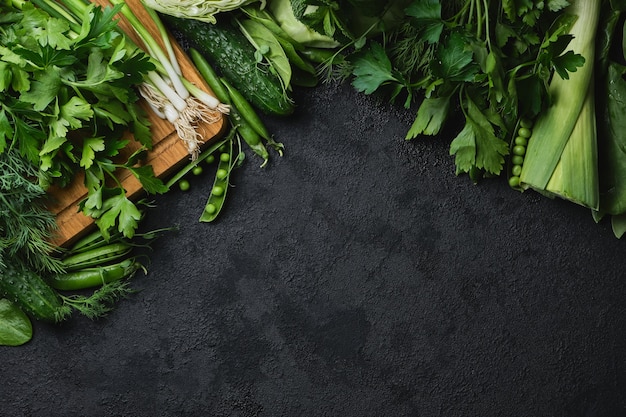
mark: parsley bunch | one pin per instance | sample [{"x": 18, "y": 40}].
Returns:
[
  {"x": 492, "y": 60},
  {"x": 67, "y": 101}
]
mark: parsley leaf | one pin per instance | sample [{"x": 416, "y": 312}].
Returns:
[
  {"x": 427, "y": 18},
  {"x": 90, "y": 147},
  {"x": 431, "y": 116},
  {"x": 454, "y": 59},
  {"x": 373, "y": 69},
  {"x": 119, "y": 210},
  {"x": 477, "y": 144}
]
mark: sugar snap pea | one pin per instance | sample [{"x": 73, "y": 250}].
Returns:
[
  {"x": 94, "y": 276},
  {"x": 209, "y": 75},
  {"x": 250, "y": 136},
  {"x": 97, "y": 256},
  {"x": 245, "y": 109}
]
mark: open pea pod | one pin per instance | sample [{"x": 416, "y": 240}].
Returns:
[{"x": 269, "y": 47}]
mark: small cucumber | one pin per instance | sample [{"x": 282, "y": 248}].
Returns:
[
  {"x": 230, "y": 53},
  {"x": 32, "y": 294}
]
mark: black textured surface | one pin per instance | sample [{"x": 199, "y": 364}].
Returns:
[{"x": 355, "y": 276}]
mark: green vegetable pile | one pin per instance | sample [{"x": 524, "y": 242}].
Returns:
[{"x": 538, "y": 87}]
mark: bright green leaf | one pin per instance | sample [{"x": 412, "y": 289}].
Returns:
[
  {"x": 52, "y": 144},
  {"x": 149, "y": 182},
  {"x": 75, "y": 110},
  {"x": 454, "y": 59},
  {"x": 15, "y": 326},
  {"x": 43, "y": 90},
  {"x": 427, "y": 18},
  {"x": 118, "y": 209},
  {"x": 431, "y": 116},
  {"x": 477, "y": 145},
  {"x": 90, "y": 147},
  {"x": 372, "y": 70}
]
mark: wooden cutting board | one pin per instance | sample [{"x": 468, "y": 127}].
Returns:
[{"x": 168, "y": 153}]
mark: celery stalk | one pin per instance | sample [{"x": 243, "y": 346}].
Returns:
[{"x": 551, "y": 165}]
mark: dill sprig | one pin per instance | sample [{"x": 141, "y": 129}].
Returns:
[
  {"x": 26, "y": 225},
  {"x": 101, "y": 301}
]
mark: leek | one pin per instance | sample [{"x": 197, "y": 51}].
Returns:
[{"x": 561, "y": 158}]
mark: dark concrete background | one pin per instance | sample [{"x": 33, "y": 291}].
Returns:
[{"x": 355, "y": 276}]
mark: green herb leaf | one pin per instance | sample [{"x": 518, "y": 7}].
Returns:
[
  {"x": 118, "y": 209},
  {"x": 431, "y": 116},
  {"x": 427, "y": 18},
  {"x": 90, "y": 147},
  {"x": 454, "y": 59},
  {"x": 373, "y": 69},
  {"x": 150, "y": 183},
  {"x": 477, "y": 145},
  {"x": 15, "y": 326}
]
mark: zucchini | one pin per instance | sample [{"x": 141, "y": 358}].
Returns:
[
  {"x": 32, "y": 294},
  {"x": 227, "y": 50}
]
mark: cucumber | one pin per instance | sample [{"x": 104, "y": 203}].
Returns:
[
  {"x": 32, "y": 294},
  {"x": 227, "y": 50}
]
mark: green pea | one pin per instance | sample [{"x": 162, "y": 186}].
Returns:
[
  {"x": 519, "y": 150},
  {"x": 218, "y": 190},
  {"x": 524, "y": 132},
  {"x": 224, "y": 157},
  {"x": 516, "y": 170},
  {"x": 526, "y": 123},
  {"x": 517, "y": 159},
  {"x": 184, "y": 185},
  {"x": 514, "y": 181},
  {"x": 197, "y": 170},
  {"x": 520, "y": 140},
  {"x": 210, "y": 159},
  {"x": 221, "y": 173},
  {"x": 210, "y": 208}
]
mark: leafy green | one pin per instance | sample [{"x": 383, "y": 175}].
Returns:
[
  {"x": 494, "y": 60},
  {"x": 15, "y": 326},
  {"x": 26, "y": 226},
  {"x": 269, "y": 49},
  {"x": 373, "y": 69},
  {"x": 68, "y": 98}
]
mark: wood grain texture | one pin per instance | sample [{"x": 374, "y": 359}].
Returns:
[{"x": 167, "y": 155}]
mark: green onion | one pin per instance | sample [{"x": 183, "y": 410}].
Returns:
[{"x": 168, "y": 93}]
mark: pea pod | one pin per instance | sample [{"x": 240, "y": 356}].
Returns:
[
  {"x": 190, "y": 166},
  {"x": 93, "y": 240},
  {"x": 209, "y": 75},
  {"x": 250, "y": 136},
  {"x": 217, "y": 197},
  {"x": 245, "y": 109},
  {"x": 523, "y": 131},
  {"x": 97, "y": 256},
  {"x": 94, "y": 276}
]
